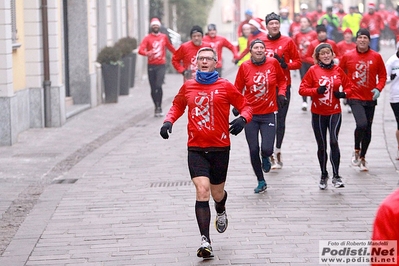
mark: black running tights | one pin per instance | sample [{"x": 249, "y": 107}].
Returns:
[
  {"x": 320, "y": 124},
  {"x": 364, "y": 119}
]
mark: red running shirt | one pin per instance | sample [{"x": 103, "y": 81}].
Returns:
[
  {"x": 217, "y": 43},
  {"x": 185, "y": 57},
  {"x": 259, "y": 84},
  {"x": 363, "y": 69},
  {"x": 285, "y": 46},
  {"x": 154, "y": 46},
  {"x": 327, "y": 103},
  {"x": 208, "y": 112}
]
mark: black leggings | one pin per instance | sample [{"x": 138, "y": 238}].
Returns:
[
  {"x": 156, "y": 75},
  {"x": 281, "y": 115},
  {"x": 395, "y": 109},
  {"x": 320, "y": 124},
  {"x": 364, "y": 119},
  {"x": 302, "y": 71},
  {"x": 265, "y": 125}
]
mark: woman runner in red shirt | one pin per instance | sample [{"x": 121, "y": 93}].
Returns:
[{"x": 322, "y": 83}]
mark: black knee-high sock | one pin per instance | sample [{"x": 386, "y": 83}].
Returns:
[
  {"x": 220, "y": 206},
  {"x": 203, "y": 214}
]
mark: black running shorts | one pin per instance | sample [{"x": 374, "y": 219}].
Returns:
[{"x": 212, "y": 164}]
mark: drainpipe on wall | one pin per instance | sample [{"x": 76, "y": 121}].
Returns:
[{"x": 46, "y": 67}]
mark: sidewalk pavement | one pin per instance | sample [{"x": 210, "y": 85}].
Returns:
[{"x": 106, "y": 189}]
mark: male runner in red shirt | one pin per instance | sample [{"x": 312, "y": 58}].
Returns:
[
  {"x": 217, "y": 43},
  {"x": 184, "y": 59},
  {"x": 154, "y": 47},
  {"x": 367, "y": 70},
  {"x": 285, "y": 51},
  {"x": 208, "y": 99}
]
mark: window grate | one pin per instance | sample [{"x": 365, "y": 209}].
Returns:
[{"x": 171, "y": 184}]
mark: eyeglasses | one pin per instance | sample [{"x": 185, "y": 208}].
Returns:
[{"x": 206, "y": 58}]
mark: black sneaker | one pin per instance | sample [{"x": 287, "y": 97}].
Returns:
[
  {"x": 205, "y": 250},
  {"x": 323, "y": 182},
  {"x": 221, "y": 222},
  {"x": 337, "y": 182}
]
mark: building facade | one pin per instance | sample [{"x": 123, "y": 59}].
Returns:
[{"x": 48, "y": 51}]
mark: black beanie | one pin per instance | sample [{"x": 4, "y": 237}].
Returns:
[
  {"x": 255, "y": 42},
  {"x": 196, "y": 29},
  {"x": 363, "y": 32},
  {"x": 272, "y": 16},
  {"x": 211, "y": 27},
  {"x": 321, "y": 27},
  {"x": 321, "y": 46}
]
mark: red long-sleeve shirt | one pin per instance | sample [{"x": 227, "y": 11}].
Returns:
[
  {"x": 373, "y": 22},
  {"x": 208, "y": 112},
  {"x": 185, "y": 57},
  {"x": 284, "y": 46},
  {"x": 344, "y": 47},
  {"x": 154, "y": 47},
  {"x": 258, "y": 84},
  {"x": 217, "y": 43},
  {"x": 386, "y": 223},
  {"x": 363, "y": 69},
  {"x": 303, "y": 40},
  {"x": 327, "y": 103},
  {"x": 309, "y": 53}
]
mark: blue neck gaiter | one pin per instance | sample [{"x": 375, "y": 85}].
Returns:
[{"x": 206, "y": 77}]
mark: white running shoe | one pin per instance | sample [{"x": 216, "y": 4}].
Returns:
[
  {"x": 275, "y": 159},
  {"x": 205, "y": 250},
  {"x": 356, "y": 158},
  {"x": 304, "y": 106},
  {"x": 363, "y": 165}
]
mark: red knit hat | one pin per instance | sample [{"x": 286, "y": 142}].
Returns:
[
  {"x": 371, "y": 5},
  {"x": 348, "y": 30},
  {"x": 257, "y": 22},
  {"x": 155, "y": 21}
]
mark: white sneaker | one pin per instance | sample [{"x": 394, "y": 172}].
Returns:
[
  {"x": 304, "y": 106},
  {"x": 279, "y": 163},
  {"x": 363, "y": 165},
  {"x": 205, "y": 250},
  {"x": 355, "y": 158},
  {"x": 273, "y": 161}
]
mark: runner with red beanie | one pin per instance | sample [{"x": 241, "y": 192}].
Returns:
[{"x": 154, "y": 47}]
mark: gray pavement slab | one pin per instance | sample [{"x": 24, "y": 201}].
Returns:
[{"x": 133, "y": 202}]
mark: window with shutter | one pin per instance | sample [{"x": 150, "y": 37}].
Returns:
[{"x": 14, "y": 30}]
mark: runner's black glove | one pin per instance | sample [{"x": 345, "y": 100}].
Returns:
[
  {"x": 235, "y": 112},
  {"x": 393, "y": 76},
  {"x": 166, "y": 127},
  {"x": 237, "y": 125},
  {"x": 321, "y": 89},
  {"x": 339, "y": 94},
  {"x": 283, "y": 64},
  {"x": 281, "y": 101}
]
